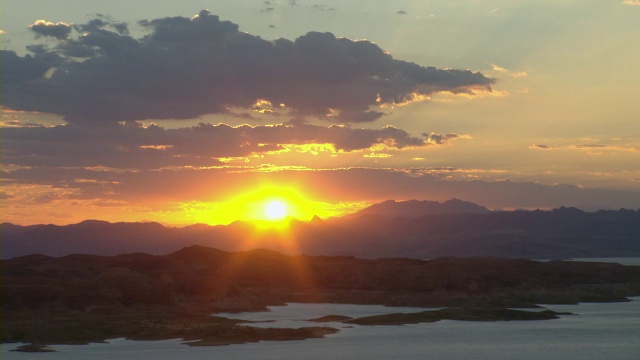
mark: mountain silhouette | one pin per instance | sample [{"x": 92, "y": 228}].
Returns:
[
  {"x": 416, "y": 208},
  {"x": 385, "y": 230}
]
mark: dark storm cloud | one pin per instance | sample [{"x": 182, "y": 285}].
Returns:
[
  {"x": 132, "y": 146},
  {"x": 20, "y": 72},
  {"x": 102, "y": 22},
  {"x": 184, "y": 68},
  {"x": 58, "y": 30}
]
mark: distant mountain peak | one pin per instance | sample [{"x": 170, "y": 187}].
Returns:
[
  {"x": 91, "y": 222},
  {"x": 418, "y": 208},
  {"x": 414, "y": 228}
]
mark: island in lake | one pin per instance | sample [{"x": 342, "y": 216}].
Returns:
[{"x": 78, "y": 299}]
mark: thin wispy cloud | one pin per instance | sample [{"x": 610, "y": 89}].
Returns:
[
  {"x": 344, "y": 184},
  {"x": 591, "y": 147},
  {"x": 513, "y": 74}
]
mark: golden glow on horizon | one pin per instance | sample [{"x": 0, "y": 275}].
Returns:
[{"x": 268, "y": 204}]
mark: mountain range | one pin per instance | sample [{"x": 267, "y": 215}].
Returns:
[{"x": 408, "y": 229}]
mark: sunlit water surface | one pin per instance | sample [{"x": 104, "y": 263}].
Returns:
[
  {"x": 623, "y": 261},
  {"x": 600, "y": 331}
]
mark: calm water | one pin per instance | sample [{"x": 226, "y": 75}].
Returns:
[
  {"x": 600, "y": 331},
  {"x": 623, "y": 261}
]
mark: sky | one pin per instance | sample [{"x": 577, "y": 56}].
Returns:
[{"x": 205, "y": 111}]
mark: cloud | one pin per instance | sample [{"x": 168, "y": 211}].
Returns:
[
  {"x": 439, "y": 138},
  {"x": 631, "y": 2},
  {"x": 185, "y": 68},
  {"x": 321, "y": 7},
  {"x": 543, "y": 147},
  {"x": 18, "y": 71},
  {"x": 401, "y": 12},
  {"x": 591, "y": 147},
  {"x": 102, "y": 22},
  {"x": 132, "y": 146},
  {"x": 57, "y": 30},
  {"x": 6, "y": 196},
  {"x": 21, "y": 124},
  {"x": 513, "y": 74},
  {"x": 352, "y": 184},
  {"x": 607, "y": 147}
]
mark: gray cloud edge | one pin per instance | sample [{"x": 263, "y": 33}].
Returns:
[{"x": 185, "y": 68}]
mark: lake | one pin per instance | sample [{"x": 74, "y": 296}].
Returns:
[
  {"x": 622, "y": 261},
  {"x": 599, "y": 331}
]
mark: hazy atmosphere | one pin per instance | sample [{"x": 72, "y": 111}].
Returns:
[
  {"x": 274, "y": 179},
  {"x": 204, "y": 111}
]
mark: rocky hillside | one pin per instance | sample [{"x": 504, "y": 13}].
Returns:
[{"x": 253, "y": 279}]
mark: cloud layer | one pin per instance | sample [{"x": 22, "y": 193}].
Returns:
[
  {"x": 184, "y": 68},
  {"x": 132, "y": 146},
  {"x": 154, "y": 187}
]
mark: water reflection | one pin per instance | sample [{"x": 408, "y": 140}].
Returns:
[{"x": 600, "y": 331}]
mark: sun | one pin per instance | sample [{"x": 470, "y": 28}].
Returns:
[
  {"x": 275, "y": 210},
  {"x": 266, "y": 205}
]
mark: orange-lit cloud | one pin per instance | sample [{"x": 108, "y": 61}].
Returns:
[
  {"x": 133, "y": 146},
  {"x": 513, "y": 74}
]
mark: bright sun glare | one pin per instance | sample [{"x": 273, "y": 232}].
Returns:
[
  {"x": 267, "y": 202},
  {"x": 276, "y": 210}
]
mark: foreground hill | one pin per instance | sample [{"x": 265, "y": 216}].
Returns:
[
  {"x": 379, "y": 231},
  {"x": 83, "y": 298},
  {"x": 261, "y": 277}
]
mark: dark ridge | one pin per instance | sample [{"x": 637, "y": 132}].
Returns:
[
  {"x": 416, "y": 208},
  {"x": 558, "y": 234}
]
